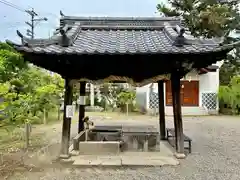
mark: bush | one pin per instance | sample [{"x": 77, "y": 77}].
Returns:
[{"x": 229, "y": 96}]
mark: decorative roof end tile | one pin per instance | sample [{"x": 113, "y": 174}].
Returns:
[
  {"x": 65, "y": 41},
  {"x": 180, "y": 39},
  {"x": 63, "y": 30},
  {"x": 61, "y": 13},
  {"x": 23, "y": 39}
]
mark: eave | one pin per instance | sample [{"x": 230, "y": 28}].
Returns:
[{"x": 127, "y": 50}]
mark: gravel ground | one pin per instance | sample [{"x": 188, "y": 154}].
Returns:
[{"x": 216, "y": 147}]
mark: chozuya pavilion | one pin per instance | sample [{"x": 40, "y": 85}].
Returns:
[{"x": 138, "y": 50}]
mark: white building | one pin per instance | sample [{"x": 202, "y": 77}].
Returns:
[{"x": 198, "y": 94}]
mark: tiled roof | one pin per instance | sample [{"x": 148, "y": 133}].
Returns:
[{"x": 81, "y": 35}]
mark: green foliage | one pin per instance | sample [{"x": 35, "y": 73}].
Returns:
[
  {"x": 25, "y": 90},
  {"x": 229, "y": 96},
  {"x": 207, "y": 18},
  {"x": 124, "y": 98},
  {"x": 4, "y": 46},
  {"x": 10, "y": 64},
  {"x": 230, "y": 68}
]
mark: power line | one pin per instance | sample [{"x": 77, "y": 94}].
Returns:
[
  {"x": 13, "y": 25},
  {"x": 10, "y": 23},
  {"x": 49, "y": 14},
  {"x": 23, "y": 9},
  {"x": 16, "y": 23},
  {"x": 12, "y": 5}
]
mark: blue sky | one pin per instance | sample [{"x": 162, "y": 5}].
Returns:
[{"x": 12, "y": 19}]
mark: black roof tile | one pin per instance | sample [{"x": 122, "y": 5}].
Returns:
[{"x": 106, "y": 35}]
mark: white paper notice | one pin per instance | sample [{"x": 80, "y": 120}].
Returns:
[
  {"x": 69, "y": 111},
  {"x": 81, "y": 100}
]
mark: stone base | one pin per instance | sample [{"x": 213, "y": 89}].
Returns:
[
  {"x": 126, "y": 159},
  {"x": 64, "y": 156},
  {"x": 74, "y": 153},
  {"x": 180, "y": 155},
  {"x": 99, "y": 147},
  {"x": 163, "y": 138}
]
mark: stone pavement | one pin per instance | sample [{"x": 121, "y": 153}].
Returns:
[{"x": 215, "y": 155}]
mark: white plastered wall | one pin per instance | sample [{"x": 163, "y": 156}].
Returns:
[{"x": 207, "y": 83}]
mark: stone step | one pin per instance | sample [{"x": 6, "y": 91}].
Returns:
[{"x": 124, "y": 160}]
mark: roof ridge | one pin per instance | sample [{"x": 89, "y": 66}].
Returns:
[
  {"x": 119, "y": 18},
  {"x": 114, "y": 18},
  {"x": 110, "y": 22}
]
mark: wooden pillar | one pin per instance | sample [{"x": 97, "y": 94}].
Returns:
[
  {"x": 177, "y": 111},
  {"x": 66, "y": 127},
  {"x": 174, "y": 113},
  {"x": 81, "y": 114},
  {"x": 161, "y": 110}
]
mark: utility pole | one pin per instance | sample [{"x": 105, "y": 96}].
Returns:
[{"x": 32, "y": 23}]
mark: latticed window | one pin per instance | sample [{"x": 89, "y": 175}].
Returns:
[
  {"x": 209, "y": 100},
  {"x": 153, "y": 100}
]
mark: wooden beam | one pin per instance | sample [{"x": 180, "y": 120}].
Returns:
[
  {"x": 66, "y": 127},
  {"x": 81, "y": 114},
  {"x": 177, "y": 111},
  {"x": 161, "y": 109}
]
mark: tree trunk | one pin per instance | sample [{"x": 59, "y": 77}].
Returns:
[
  {"x": 58, "y": 113},
  {"x": 27, "y": 134},
  {"x": 44, "y": 117}
]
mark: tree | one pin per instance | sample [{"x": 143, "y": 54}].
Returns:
[
  {"x": 208, "y": 18},
  {"x": 126, "y": 99},
  {"x": 230, "y": 68},
  {"x": 11, "y": 63},
  {"x": 26, "y": 90}
]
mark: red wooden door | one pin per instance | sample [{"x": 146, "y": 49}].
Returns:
[{"x": 189, "y": 93}]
